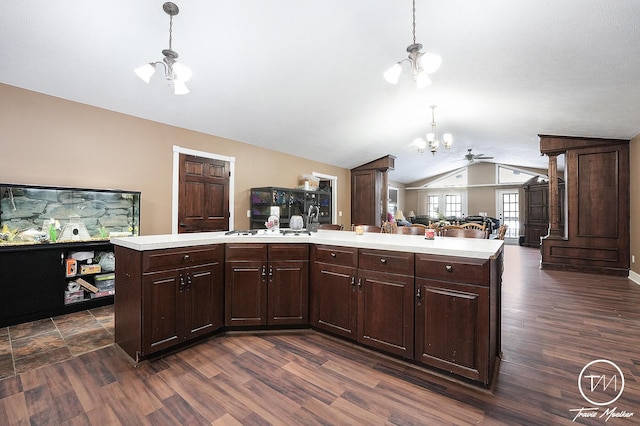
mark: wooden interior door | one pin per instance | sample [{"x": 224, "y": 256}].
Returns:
[
  {"x": 203, "y": 195},
  {"x": 365, "y": 189}
]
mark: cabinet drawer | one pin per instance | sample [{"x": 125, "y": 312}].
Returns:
[
  {"x": 284, "y": 252},
  {"x": 335, "y": 255},
  {"x": 157, "y": 260},
  {"x": 246, "y": 252},
  {"x": 459, "y": 269},
  {"x": 386, "y": 261}
]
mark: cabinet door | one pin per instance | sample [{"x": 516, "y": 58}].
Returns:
[
  {"x": 288, "y": 300},
  {"x": 334, "y": 299},
  {"x": 204, "y": 299},
  {"x": 31, "y": 281},
  {"x": 533, "y": 233},
  {"x": 245, "y": 293},
  {"x": 385, "y": 312},
  {"x": 162, "y": 310},
  {"x": 452, "y": 325}
]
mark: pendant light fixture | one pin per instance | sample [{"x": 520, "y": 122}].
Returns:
[
  {"x": 422, "y": 64},
  {"x": 175, "y": 72},
  {"x": 432, "y": 138}
]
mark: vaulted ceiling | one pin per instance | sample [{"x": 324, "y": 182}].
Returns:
[{"x": 305, "y": 77}]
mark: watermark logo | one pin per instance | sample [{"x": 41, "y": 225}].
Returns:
[{"x": 601, "y": 383}]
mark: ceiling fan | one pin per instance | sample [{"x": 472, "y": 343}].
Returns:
[{"x": 473, "y": 157}]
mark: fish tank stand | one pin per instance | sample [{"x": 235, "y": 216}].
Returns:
[{"x": 55, "y": 253}]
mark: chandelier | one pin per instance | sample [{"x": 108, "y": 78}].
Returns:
[
  {"x": 432, "y": 138},
  {"x": 175, "y": 72},
  {"x": 422, "y": 64}
]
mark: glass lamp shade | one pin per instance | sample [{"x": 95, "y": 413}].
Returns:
[
  {"x": 179, "y": 88},
  {"x": 430, "y": 62},
  {"x": 145, "y": 72},
  {"x": 421, "y": 144},
  {"x": 392, "y": 75},
  {"x": 431, "y": 137},
  {"x": 181, "y": 72},
  {"x": 447, "y": 140}
]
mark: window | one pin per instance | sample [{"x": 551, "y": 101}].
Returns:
[
  {"x": 509, "y": 175},
  {"x": 393, "y": 200},
  {"x": 453, "y": 206},
  {"x": 432, "y": 206},
  {"x": 442, "y": 202},
  {"x": 457, "y": 178}
]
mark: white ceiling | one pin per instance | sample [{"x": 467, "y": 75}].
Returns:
[{"x": 305, "y": 77}]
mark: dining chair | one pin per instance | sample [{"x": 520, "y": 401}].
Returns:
[
  {"x": 502, "y": 230},
  {"x": 436, "y": 227},
  {"x": 388, "y": 227},
  {"x": 464, "y": 233},
  {"x": 447, "y": 227},
  {"x": 368, "y": 228},
  {"x": 331, "y": 226},
  {"x": 473, "y": 225},
  {"x": 410, "y": 230}
]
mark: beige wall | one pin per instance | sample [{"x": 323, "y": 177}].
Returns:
[
  {"x": 479, "y": 198},
  {"x": 482, "y": 199},
  {"x": 54, "y": 142}
]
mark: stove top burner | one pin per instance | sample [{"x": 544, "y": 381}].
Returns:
[
  {"x": 292, "y": 232},
  {"x": 236, "y": 232},
  {"x": 263, "y": 232}
]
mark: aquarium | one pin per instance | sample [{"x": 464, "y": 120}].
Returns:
[{"x": 40, "y": 214}]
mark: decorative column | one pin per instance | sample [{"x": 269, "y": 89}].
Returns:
[
  {"x": 554, "y": 197},
  {"x": 385, "y": 197}
]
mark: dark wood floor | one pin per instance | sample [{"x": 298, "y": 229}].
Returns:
[{"x": 554, "y": 323}]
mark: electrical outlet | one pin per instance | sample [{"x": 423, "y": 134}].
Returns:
[
  {"x": 340, "y": 213},
  {"x": 248, "y": 213},
  {"x": 633, "y": 259}
]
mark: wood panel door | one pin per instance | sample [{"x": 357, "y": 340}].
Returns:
[
  {"x": 334, "y": 300},
  {"x": 288, "y": 295},
  {"x": 204, "y": 300},
  {"x": 452, "y": 326},
  {"x": 203, "y": 195},
  {"x": 245, "y": 293},
  {"x": 365, "y": 197},
  {"x": 163, "y": 325},
  {"x": 385, "y": 312}
]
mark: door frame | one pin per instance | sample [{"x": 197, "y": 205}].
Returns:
[
  {"x": 500, "y": 211},
  {"x": 334, "y": 193},
  {"x": 177, "y": 150}
]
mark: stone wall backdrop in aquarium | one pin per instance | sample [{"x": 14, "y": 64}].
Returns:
[{"x": 30, "y": 214}]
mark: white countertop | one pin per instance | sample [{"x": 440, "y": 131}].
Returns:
[{"x": 445, "y": 246}]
